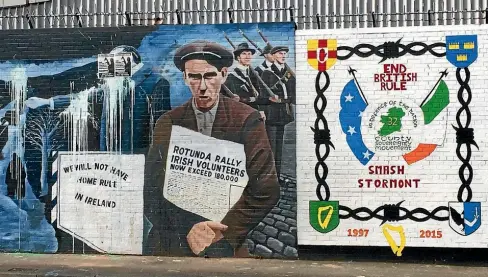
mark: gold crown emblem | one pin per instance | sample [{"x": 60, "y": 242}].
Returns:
[
  {"x": 453, "y": 46},
  {"x": 469, "y": 45},
  {"x": 462, "y": 58}
]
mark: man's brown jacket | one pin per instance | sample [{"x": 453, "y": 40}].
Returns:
[{"x": 234, "y": 122}]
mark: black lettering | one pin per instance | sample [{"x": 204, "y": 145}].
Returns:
[
  {"x": 416, "y": 182},
  {"x": 408, "y": 183},
  {"x": 401, "y": 169},
  {"x": 79, "y": 196},
  {"x": 177, "y": 167}
]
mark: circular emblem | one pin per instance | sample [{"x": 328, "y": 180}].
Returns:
[{"x": 392, "y": 127}]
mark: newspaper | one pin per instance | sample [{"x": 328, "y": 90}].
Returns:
[{"x": 204, "y": 175}]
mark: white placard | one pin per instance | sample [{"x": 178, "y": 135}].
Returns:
[
  {"x": 204, "y": 175},
  {"x": 100, "y": 200},
  {"x": 106, "y": 65}
]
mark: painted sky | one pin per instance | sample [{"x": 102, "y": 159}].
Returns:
[
  {"x": 154, "y": 47},
  {"x": 158, "y": 47},
  {"x": 157, "y": 50}
]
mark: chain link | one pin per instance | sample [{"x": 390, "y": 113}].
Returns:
[
  {"x": 412, "y": 215},
  {"x": 321, "y": 136},
  {"x": 464, "y": 135}
]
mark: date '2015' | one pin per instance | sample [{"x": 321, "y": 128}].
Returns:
[
  {"x": 433, "y": 234},
  {"x": 357, "y": 232}
]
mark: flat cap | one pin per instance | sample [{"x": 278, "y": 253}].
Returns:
[
  {"x": 279, "y": 48},
  {"x": 267, "y": 49},
  {"x": 214, "y": 53}
]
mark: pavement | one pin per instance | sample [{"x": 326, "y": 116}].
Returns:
[{"x": 64, "y": 265}]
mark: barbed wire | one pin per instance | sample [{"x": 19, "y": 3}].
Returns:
[
  {"x": 390, "y": 20},
  {"x": 238, "y": 15}
]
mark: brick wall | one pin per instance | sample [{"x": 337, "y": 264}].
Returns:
[
  {"x": 426, "y": 215},
  {"x": 64, "y": 110}
]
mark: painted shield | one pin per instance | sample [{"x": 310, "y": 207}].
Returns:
[
  {"x": 322, "y": 53},
  {"x": 324, "y": 215},
  {"x": 462, "y": 51},
  {"x": 465, "y": 217}
]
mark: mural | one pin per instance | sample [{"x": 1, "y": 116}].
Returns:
[
  {"x": 396, "y": 161},
  {"x": 180, "y": 140}
]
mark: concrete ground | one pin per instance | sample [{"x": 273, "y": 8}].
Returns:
[{"x": 63, "y": 265}]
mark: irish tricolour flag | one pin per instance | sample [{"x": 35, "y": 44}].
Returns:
[{"x": 435, "y": 120}]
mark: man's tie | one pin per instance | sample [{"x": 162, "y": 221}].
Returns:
[{"x": 205, "y": 125}]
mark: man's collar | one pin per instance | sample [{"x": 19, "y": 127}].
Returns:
[
  {"x": 279, "y": 66},
  {"x": 268, "y": 63},
  {"x": 243, "y": 68}
]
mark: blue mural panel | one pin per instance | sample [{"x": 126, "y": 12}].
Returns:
[{"x": 177, "y": 140}]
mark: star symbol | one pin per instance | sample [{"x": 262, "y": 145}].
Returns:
[
  {"x": 366, "y": 154},
  {"x": 360, "y": 114},
  {"x": 352, "y": 130},
  {"x": 349, "y": 98}
]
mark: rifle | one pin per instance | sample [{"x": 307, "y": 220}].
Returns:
[
  {"x": 268, "y": 90},
  {"x": 250, "y": 41},
  {"x": 288, "y": 69},
  {"x": 282, "y": 79},
  {"x": 252, "y": 71},
  {"x": 226, "y": 89},
  {"x": 228, "y": 40},
  {"x": 263, "y": 37}
]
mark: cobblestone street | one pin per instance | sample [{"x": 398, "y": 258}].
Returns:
[{"x": 276, "y": 235}]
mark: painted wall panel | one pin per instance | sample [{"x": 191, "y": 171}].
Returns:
[
  {"x": 152, "y": 136},
  {"x": 402, "y": 107}
]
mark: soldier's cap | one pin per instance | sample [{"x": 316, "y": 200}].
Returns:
[
  {"x": 243, "y": 47},
  {"x": 279, "y": 48},
  {"x": 266, "y": 49},
  {"x": 214, "y": 53}
]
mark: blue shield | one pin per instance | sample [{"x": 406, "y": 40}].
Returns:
[
  {"x": 462, "y": 51},
  {"x": 465, "y": 217}
]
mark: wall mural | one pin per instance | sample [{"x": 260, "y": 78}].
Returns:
[
  {"x": 396, "y": 162},
  {"x": 178, "y": 141}
]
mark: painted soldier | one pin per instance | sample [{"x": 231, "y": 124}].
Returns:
[
  {"x": 268, "y": 60},
  {"x": 279, "y": 78},
  {"x": 242, "y": 81}
]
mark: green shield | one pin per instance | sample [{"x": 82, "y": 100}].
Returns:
[{"x": 324, "y": 215}]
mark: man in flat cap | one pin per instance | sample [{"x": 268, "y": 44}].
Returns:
[
  {"x": 282, "y": 82},
  {"x": 243, "y": 82},
  {"x": 268, "y": 60},
  {"x": 175, "y": 231}
]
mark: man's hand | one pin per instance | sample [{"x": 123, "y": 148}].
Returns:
[
  {"x": 203, "y": 234},
  {"x": 236, "y": 98},
  {"x": 275, "y": 99}
]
